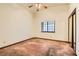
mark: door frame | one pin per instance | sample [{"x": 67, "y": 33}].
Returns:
[{"x": 71, "y": 15}]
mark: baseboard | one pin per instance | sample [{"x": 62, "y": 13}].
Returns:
[
  {"x": 33, "y": 38},
  {"x": 50, "y": 39},
  {"x": 16, "y": 43}
]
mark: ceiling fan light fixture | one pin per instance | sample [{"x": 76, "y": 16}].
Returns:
[{"x": 38, "y": 6}]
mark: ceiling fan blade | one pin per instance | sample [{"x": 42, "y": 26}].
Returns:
[
  {"x": 45, "y": 7},
  {"x": 30, "y": 6}
]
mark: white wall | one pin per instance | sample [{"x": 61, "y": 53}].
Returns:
[
  {"x": 15, "y": 24},
  {"x": 60, "y": 15},
  {"x": 72, "y": 6}
]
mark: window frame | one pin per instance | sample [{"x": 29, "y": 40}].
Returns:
[{"x": 42, "y": 27}]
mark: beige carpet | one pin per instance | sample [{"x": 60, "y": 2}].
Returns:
[{"x": 38, "y": 47}]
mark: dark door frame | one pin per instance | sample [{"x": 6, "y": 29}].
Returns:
[{"x": 72, "y": 15}]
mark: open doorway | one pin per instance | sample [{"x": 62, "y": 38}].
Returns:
[{"x": 72, "y": 29}]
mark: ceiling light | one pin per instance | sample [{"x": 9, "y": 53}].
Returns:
[{"x": 38, "y": 6}]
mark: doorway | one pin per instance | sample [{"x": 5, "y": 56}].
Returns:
[{"x": 72, "y": 29}]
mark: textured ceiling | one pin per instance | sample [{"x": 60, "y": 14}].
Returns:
[{"x": 33, "y": 9}]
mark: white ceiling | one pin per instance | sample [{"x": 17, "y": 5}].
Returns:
[{"x": 33, "y": 9}]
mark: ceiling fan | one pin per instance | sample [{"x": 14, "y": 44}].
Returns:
[{"x": 38, "y": 6}]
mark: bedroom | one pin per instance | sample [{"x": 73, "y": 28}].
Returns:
[{"x": 18, "y": 23}]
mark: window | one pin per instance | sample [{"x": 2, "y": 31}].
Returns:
[{"x": 48, "y": 26}]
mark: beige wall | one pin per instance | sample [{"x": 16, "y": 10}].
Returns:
[
  {"x": 15, "y": 24},
  {"x": 60, "y": 15},
  {"x": 18, "y": 24}
]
